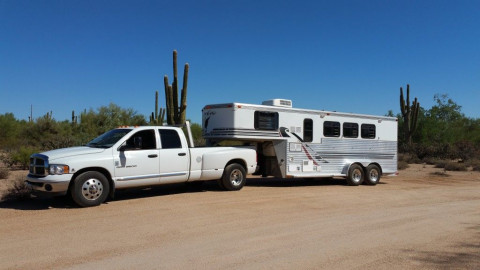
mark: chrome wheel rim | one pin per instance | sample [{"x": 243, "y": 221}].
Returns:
[
  {"x": 92, "y": 189},
  {"x": 236, "y": 177},
  {"x": 374, "y": 175},
  {"x": 357, "y": 175}
]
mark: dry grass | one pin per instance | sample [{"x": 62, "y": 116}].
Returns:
[
  {"x": 409, "y": 158},
  {"x": 4, "y": 173},
  {"x": 456, "y": 166},
  {"x": 475, "y": 164},
  {"x": 17, "y": 191},
  {"x": 402, "y": 165},
  {"x": 441, "y": 173}
]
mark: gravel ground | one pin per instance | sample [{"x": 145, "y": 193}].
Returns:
[{"x": 413, "y": 221}]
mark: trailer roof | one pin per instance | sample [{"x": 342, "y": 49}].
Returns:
[{"x": 297, "y": 110}]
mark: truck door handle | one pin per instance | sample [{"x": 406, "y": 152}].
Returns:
[
  {"x": 182, "y": 154},
  {"x": 153, "y": 156}
]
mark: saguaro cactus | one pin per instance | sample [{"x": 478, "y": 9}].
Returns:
[
  {"x": 158, "y": 116},
  {"x": 74, "y": 118},
  {"x": 176, "y": 113},
  {"x": 409, "y": 114}
]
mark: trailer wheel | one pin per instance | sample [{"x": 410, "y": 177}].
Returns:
[
  {"x": 372, "y": 174},
  {"x": 90, "y": 189},
  {"x": 234, "y": 177},
  {"x": 355, "y": 175}
]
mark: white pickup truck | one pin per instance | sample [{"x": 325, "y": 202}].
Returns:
[{"x": 133, "y": 157}]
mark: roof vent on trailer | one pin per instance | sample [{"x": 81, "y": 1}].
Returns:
[{"x": 278, "y": 102}]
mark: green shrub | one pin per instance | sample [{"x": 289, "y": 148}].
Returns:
[
  {"x": 455, "y": 166},
  {"x": 4, "y": 172},
  {"x": 22, "y": 156}
]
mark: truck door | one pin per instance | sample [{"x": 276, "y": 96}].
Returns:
[
  {"x": 174, "y": 157},
  {"x": 137, "y": 160}
]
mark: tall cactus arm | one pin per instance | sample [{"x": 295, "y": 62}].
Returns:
[{"x": 183, "y": 105}]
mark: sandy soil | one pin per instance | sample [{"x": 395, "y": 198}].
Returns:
[{"x": 413, "y": 221}]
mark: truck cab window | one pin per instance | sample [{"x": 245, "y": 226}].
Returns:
[
  {"x": 142, "y": 140},
  {"x": 169, "y": 139}
]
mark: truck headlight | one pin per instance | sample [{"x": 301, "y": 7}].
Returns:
[{"x": 59, "y": 169}]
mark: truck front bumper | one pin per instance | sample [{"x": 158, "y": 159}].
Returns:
[{"x": 52, "y": 185}]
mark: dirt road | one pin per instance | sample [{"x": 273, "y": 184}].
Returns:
[{"x": 413, "y": 221}]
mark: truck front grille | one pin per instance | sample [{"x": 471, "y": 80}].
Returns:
[{"x": 38, "y": 165}]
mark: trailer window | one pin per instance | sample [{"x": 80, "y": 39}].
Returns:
[
  {"x": 266, "y": 120},
  {"x": 368, "y": 131},
  {"x": 350, "y": 130},
  {"x": 331, "y": 129},
  {"x": 170, "y": 139},
  {"x": 307, "y": 130}
]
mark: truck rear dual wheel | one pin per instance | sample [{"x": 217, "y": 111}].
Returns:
[
  {"x": 234, "y": 177},
  {"x": 90, "y": 189}
]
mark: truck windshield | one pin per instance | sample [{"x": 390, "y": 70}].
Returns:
[{"x": 108, "y": 139}]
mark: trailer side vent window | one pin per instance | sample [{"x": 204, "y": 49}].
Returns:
[
  {"x": 307, "y": 130},
  {"x": 368, "y": 131},
  {"x": 331, "y": 129},
  {"x": 350, "y": 130},
  {"x": 266, "y": 120}
]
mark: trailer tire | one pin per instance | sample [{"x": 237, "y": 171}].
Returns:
[
  {"x": 90, "y": 189},
  {"x": 372, "y": 174},
  {"x": 234, "y": 177},
  {"x": 355, "y": 175}
]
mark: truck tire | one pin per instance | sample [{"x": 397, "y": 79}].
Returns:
[
  {"x": 220, "y": 183},
  {"x": 355, "y": 175},
  {"x": 90, "y": 189},
  {"x": 234, "y": 177},
  {"x": 372, "y": 174}
]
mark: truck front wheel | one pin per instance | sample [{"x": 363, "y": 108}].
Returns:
[
  {"x": 234, "y": 177},
  {"x": 90, "y": 189}
]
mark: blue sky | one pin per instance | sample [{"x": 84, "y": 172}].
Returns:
[{"x": 350, "y": 56}]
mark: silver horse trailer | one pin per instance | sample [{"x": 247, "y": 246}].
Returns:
[{"x": 302, "y": 143}]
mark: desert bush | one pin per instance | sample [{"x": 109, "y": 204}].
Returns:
[
  {"x": 442, "y": 173},
  {"x": 455, "y": 166},
  {"x": 22, "y": 156},
  {"x": 474, "y": 163},
  {"x": 440, "y": 163},
  {"x": 409, "y": 158},
  {"x": 430, "y": 161},
  {"x": 4, "y": 172},
  {"x": 464, "y": 150},
  {"x": 18, "y": 191},
  {"x": 402, "y": 165},
  {"x": 476, "y": 167}
]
